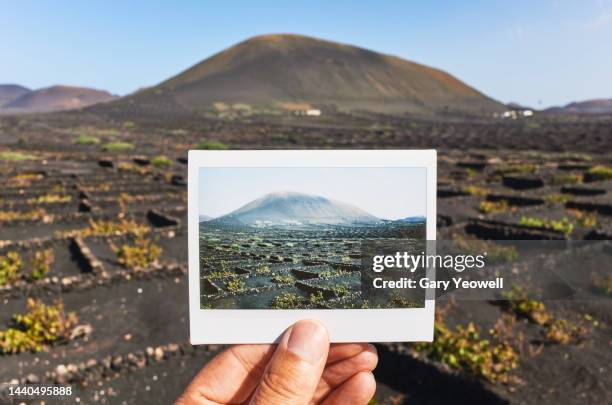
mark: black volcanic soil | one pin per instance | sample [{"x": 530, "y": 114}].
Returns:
[{"x": 138, "y": 350}]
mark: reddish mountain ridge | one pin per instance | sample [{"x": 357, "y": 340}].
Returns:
[{"x": 282, "y": 70}]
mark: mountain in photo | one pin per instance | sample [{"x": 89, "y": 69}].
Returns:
[
  {"x": 296, "y": 72},
  {"x": 55, "y": 98},
  {"x": 290, "y": 208},
  {"x": 10, "y": 92},
  {"x": 413, "y": 220},
  {"x": 597, "y": 106},
  {"x": 204, "y": 218}
]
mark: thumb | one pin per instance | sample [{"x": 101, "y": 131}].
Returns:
[{"x": 295, "y": 369}]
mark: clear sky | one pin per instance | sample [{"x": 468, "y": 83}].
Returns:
[
  {"x": 548, "y": 51},
  {"x": 388, "y": 193}
]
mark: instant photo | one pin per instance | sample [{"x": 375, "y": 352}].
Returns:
[{"x": 278, "y": 236}]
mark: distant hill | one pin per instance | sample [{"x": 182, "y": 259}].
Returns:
[
  {"x": 290, "y": 208},
  {"x": 597, "y": 106},
  {"x": 9, "y": 92},
  {"x": 416, "y": 219},
  {"x": 56, "y": 98},
  {"x": 204, "y": 218},
  {"x": 290, "y": 71}
]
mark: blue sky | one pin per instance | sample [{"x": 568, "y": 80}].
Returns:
[
  {"x": 389, "y": 193},
  {"x": 532, "y": 52}
]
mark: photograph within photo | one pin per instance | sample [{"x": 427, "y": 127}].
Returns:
[{"x": 291, "y": 238}]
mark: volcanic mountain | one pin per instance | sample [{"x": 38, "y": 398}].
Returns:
[
  {"x": 289, "y": 71},
  {"x": 9, "y": 92},
  {"x": 597, "y": 106},
  {"x": 290, "y": 208},
  {"x": 56, "y": 98}
]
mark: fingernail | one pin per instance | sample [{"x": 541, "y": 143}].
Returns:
[{"x": 308, "y": 340}]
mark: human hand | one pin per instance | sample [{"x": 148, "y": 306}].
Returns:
[{"x": 302, "y": 369}]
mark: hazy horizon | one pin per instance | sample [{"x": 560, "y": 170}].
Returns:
[
  {"x": 223, "y": 190},
  {"x": 538, "y": 54}
]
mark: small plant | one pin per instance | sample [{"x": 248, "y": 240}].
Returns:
[
  {"x": 564, "y": 225},
  {"x": 263, "y": 269},
  {"x": 39, "y": 327},
  {"x": 516, "y": 169},
  {"x": 220, "y": 274},
  {"x": 87, "y": 140},
  {"x": 132, "y": 168},
  {"x": 564, "y": 332},
  {"x": 488, "y": 207},
  {"x": 118, "y": 146},
  {"x": 521, "y": 304},
  {"x": 161, "y": 162},
  {"x": 280, "y": 279},
  {"x": 556, "y": 330},
  {"x": 142, "y": 254},
  {"x": 317, "y": 300},
  {"x": 286, "y": 301},
  {"x": 584, "y": 219},
  {"x": 471, "y": 173},
  {"x": 41, "y": 263},
  {"x": 601, "y": 283},
  {"x": 464, "y": 349},
  {"x": 556, "y": 198},
  {"x": 599, "y": 173},
  {"x": 236, "y": 285},
  {"x": 50, "y": 199},
  {"x": 397, "y": 300},
  {"x": 211, "y": 145},
  {"x": 496, "y": 253},
  {"x": 25, "y": 179},
  {"x": 108, "y": 228},
  {"x": 16, "y": 156},
  {"x": 31, "y": 215},
  {"x": 340, "y": 290},
  {"x": 475, "y": 190},
  {"x": 9, "y": 267},
  {"x": 569, "y": 178}
]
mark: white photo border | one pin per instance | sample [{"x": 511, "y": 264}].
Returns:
[{"x": 240, "y": 326}]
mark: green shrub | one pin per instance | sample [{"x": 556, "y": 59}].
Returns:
[
  {"x": 118, "y": 146},
  {"x": 475, "y": 190},
  {"x": 556, "y": 330},
  {"x": 583, "y": 218},
  {"x": 286, "y": 301},
  {"x": 488, "y": 207},
  {"x": 161, "y": 162},
  {"x": 569, "y": 178},
  {"x": 520, "y": 303},
  {"x": 496, "y": 253},
  {"x": 16, "y": 156},
  {"x": 142, "y": 254},
  {"x": 41, "y": 263},
  {"x": 37, "y": 328},
  {"x": 211, "y": 145},
  {"x": 556, "y": 198},
  {"x": 9, "y": 267},
  {"x": 87, "y": 140},
  {"x": 599, "y": 172},
  {"x": 317, "y": 300},
  {"x": 516, "y": 169},
  {"x": 280, "y": 279},
  {"x": 563, "y": 225},
  {"x": 464, "y": 349},
  {"x": 263, "y": 269},
  {"x": 236, "y": 285}
]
